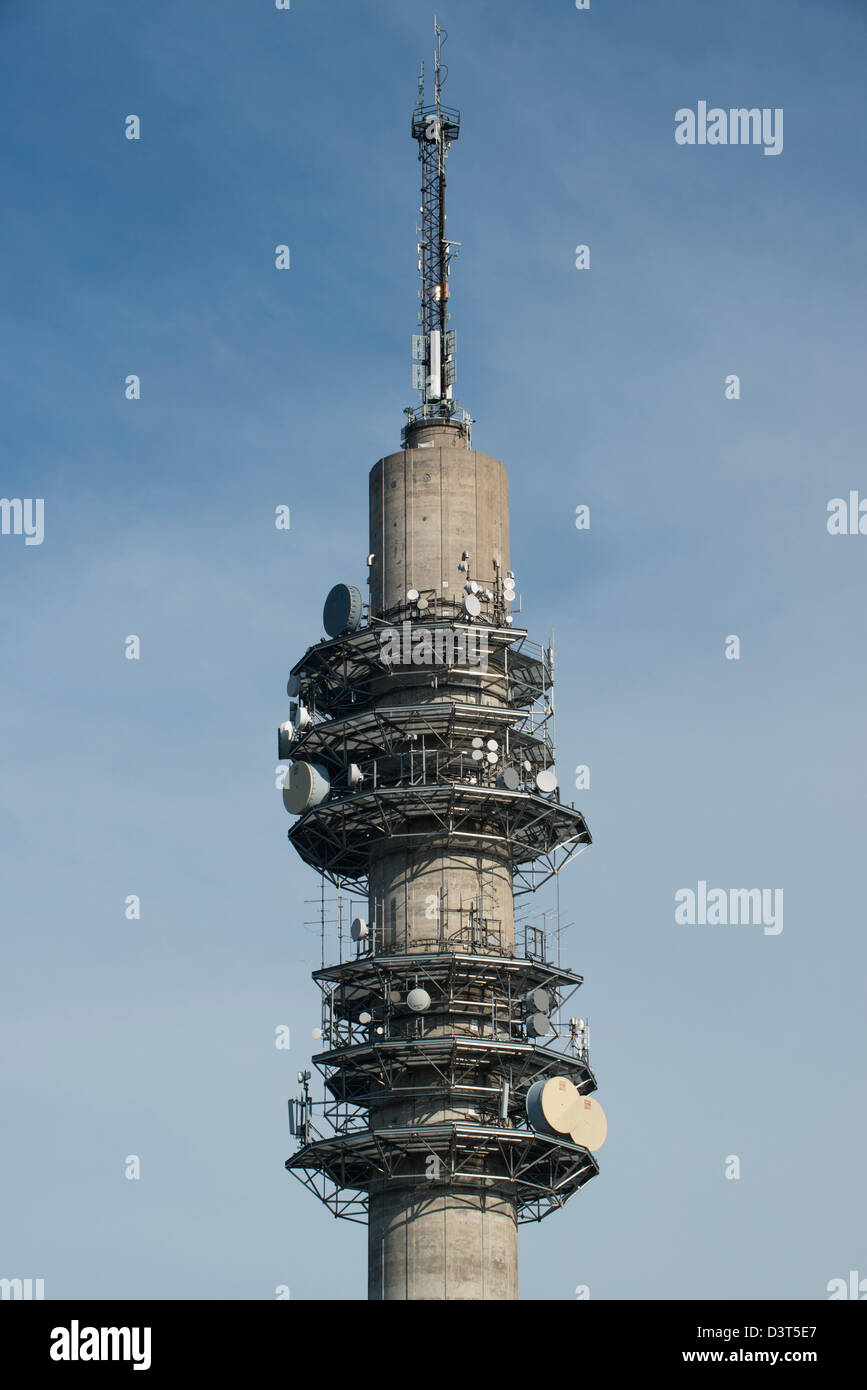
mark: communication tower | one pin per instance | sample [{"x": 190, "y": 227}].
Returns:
[{"x": 457, "y": 1101}]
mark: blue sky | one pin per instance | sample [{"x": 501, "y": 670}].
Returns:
[{"x": 603, "y": 387}]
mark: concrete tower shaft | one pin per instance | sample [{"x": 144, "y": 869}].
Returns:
[
  {"x": 420, "y": 893},
  {"x": 428, "y": 505},
  {"x": 443, "y": 1245}
]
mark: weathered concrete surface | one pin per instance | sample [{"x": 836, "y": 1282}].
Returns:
[
  {"x": 419, "y": 896},
  {"x": 427, "y": 506},
  {"x": 443, "y": 1245}
]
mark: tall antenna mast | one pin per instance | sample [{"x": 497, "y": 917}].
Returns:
[
  {"x": 435, "y": 127},
  {"x": 456, "y": 1101}
]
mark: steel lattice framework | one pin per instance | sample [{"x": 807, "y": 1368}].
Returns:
[
  {"x": 435, "y": 127},
  {"x": 542, "y": 1172}
]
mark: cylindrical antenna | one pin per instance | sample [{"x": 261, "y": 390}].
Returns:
[
  {"x": 504, "y": 1101},
  {"x": 439, "y": 54}
]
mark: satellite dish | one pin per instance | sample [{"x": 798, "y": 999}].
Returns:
[
  {"x": 478, "y": 743},
  {"x": 509, "y": 779},
  {"x": 471, "y": 605},
  {"x": 492, "y": 757},
  {"x": 546, "y": 780},
  {"x": 412, "y": 595},
  {"x": 538, "y": 1001},
  {"x": 359, "y": 929},
  {"x": 478, "y": 755},
  {"x": 418, "y": 1000},
  {"x": 302, "y": 716},
  {"x": 553, "y": 1105},
  {"x": 364, "y": 1018},
  {"x": 471, "y": 586},
  {"x": 422, "y": 605},
  {"x": 285, "y": 738},
  {"x": 528, "y": 766},
  {"x": 343, "y": 609},
  {"x": 493, "y": 745},
  {"x": 538, "y": 1025},
  {"x": 293, "y": 687},
  {"x": 590, "y": 1126},
  {"x": 306, "y": 785}
]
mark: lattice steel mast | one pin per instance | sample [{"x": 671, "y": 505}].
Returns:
[{"x": 435, "y": 127}]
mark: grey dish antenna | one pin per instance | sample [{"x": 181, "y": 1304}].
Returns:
[
  {"x": 306, "y": 785},
  {"x": 343, "y": 610},
  {"x": 537, "y": 1001},
  {"x": 539, "y": 1026}
]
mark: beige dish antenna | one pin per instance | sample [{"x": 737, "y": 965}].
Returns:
[
  {"x": 553, "y": 1105},
  {"x": 591, "y": 1126}
]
